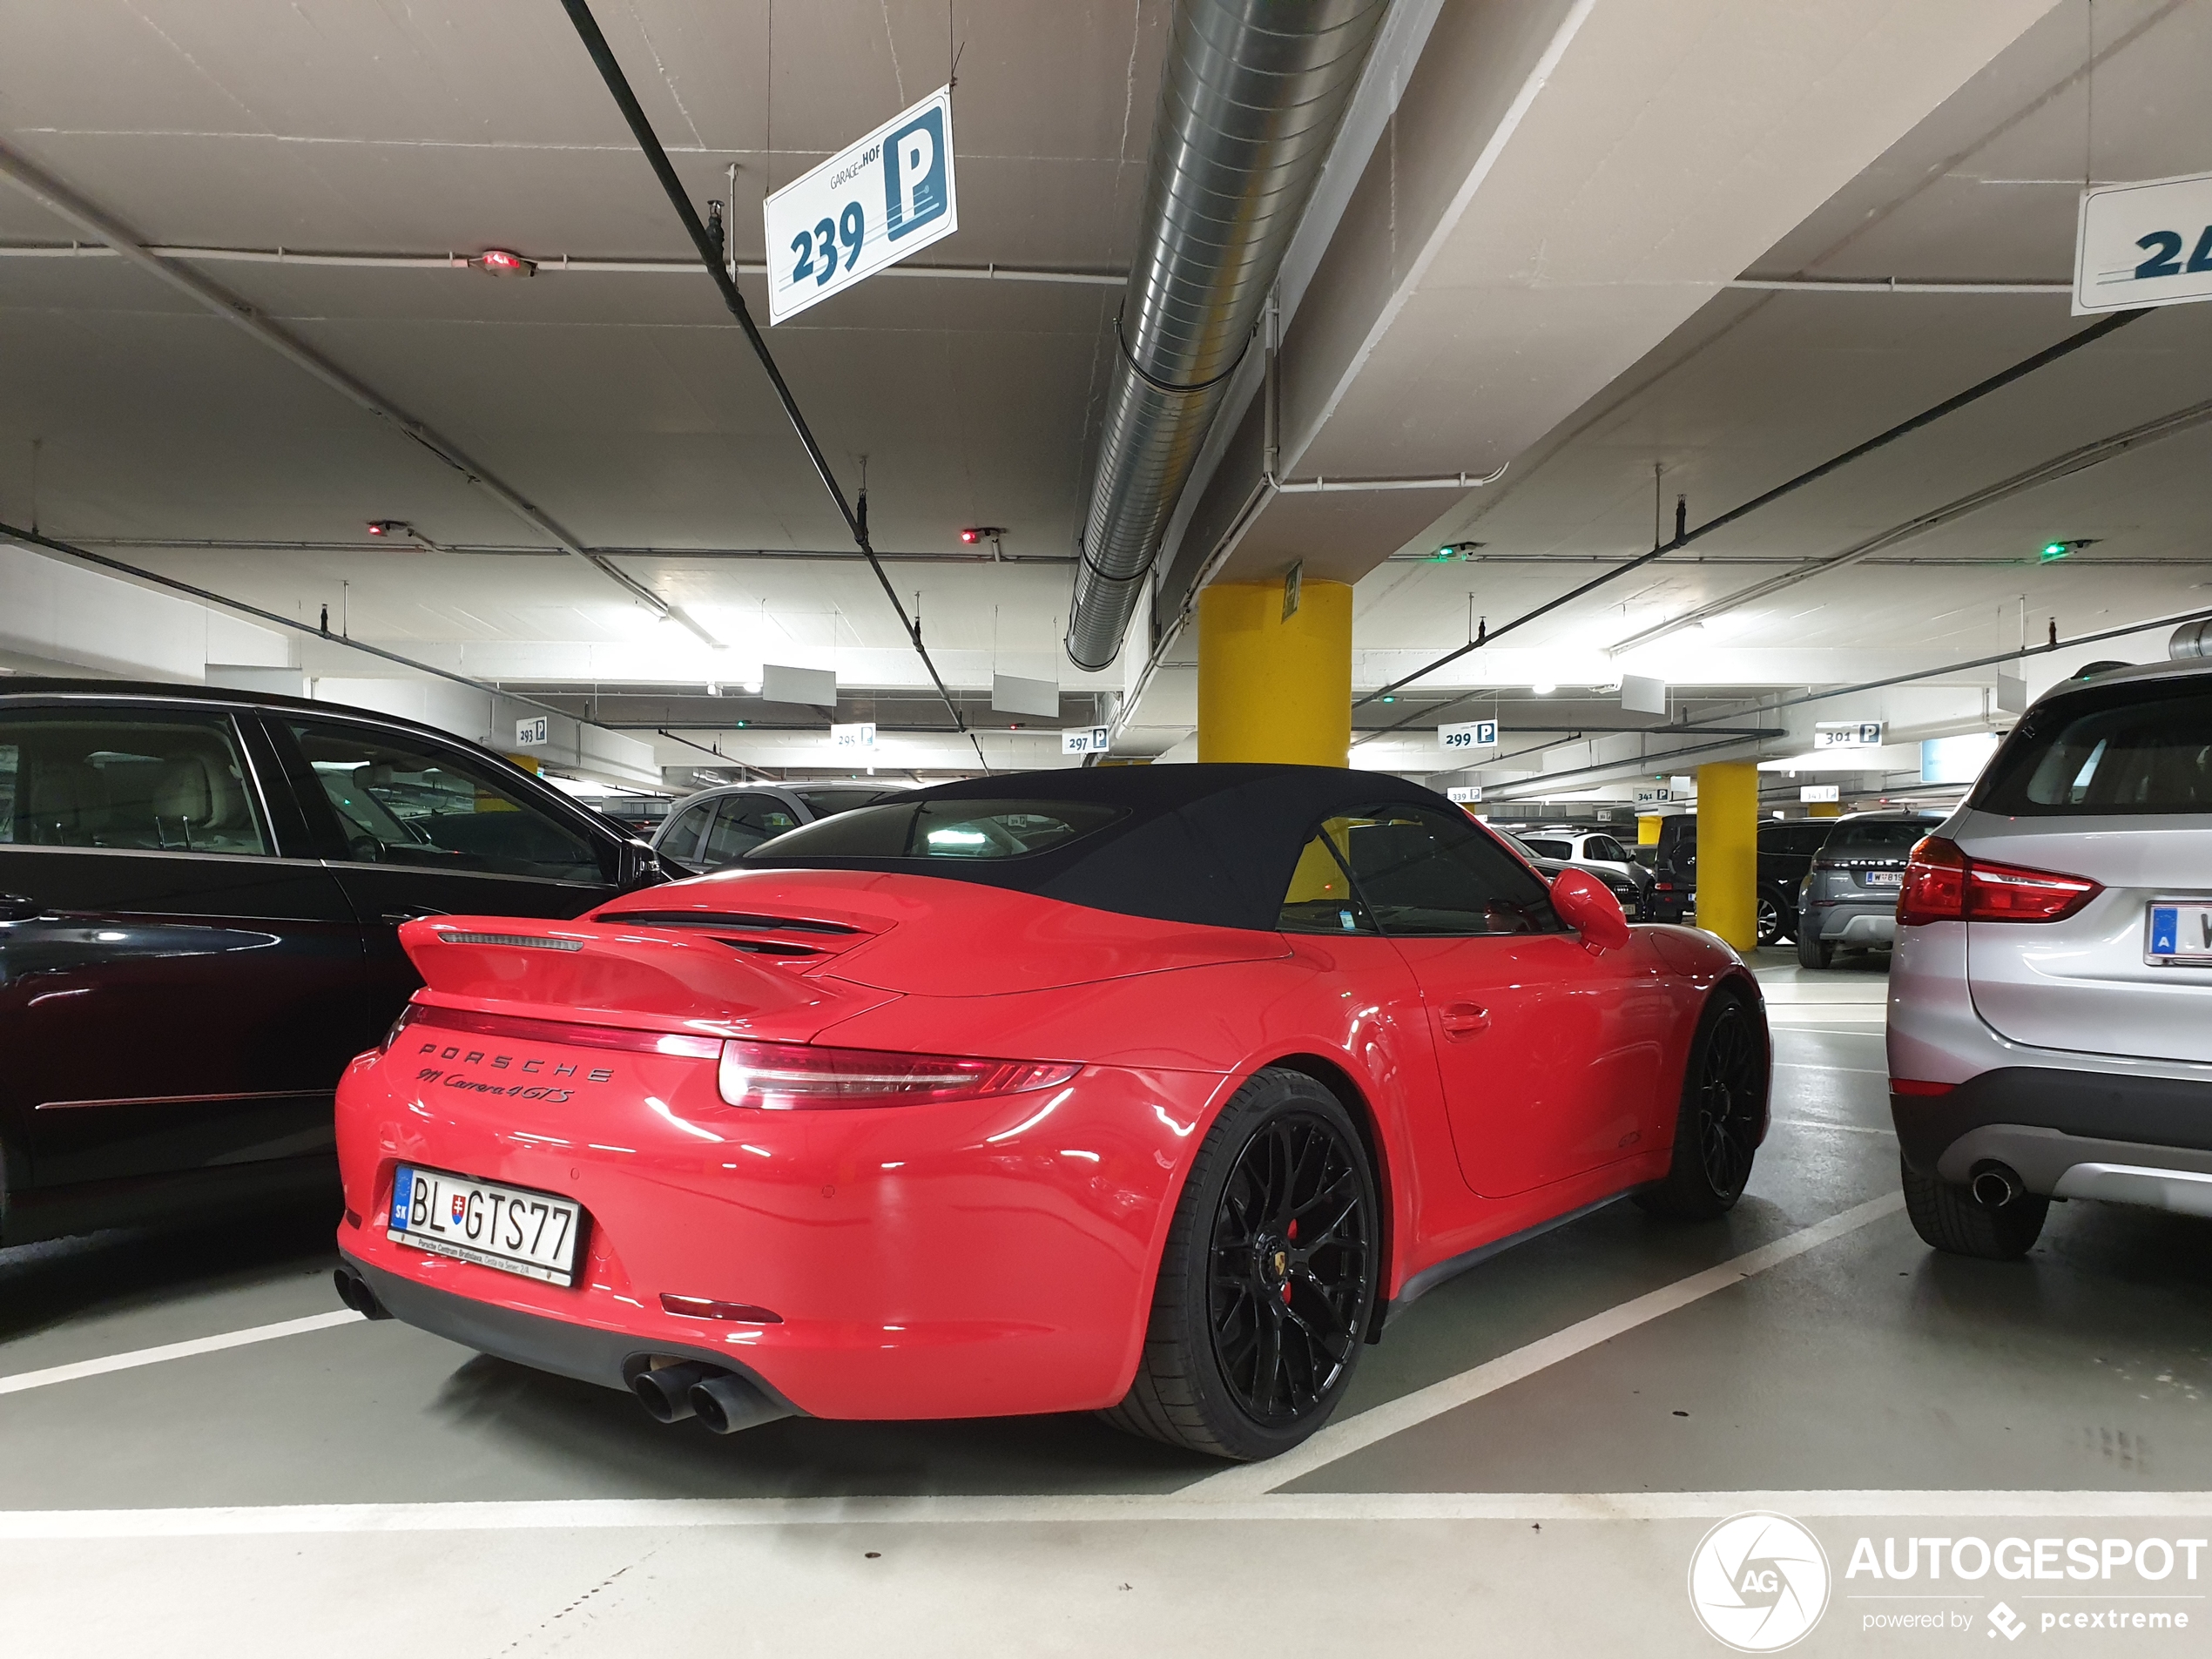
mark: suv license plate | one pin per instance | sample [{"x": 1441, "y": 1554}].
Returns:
[
  {"x": 1883, "y": 878},
  {"x": 2180, "y": 936},
  {"x": 518, "y": 1231}
]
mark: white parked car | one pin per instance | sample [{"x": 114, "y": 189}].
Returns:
[
  {"x": 2050, "y": 1017},
  {"x": 1599, "y": 853}
]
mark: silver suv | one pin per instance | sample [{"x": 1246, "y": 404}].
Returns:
[{"x": 2050, "y": 1017}]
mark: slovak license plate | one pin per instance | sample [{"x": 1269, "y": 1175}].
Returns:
[
  {"x": 2181, "y": 934},
  {"x": 518, "y": 1231}
]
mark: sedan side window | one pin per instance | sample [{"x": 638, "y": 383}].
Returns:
[
  {"x": 741, "y": 823},
  {"x": 174, "y": 784},
  {"x": 1425, "y": 873},
  {"x": 438, "y": 810}
]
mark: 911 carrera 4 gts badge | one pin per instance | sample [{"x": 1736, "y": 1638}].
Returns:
[{"x": 536, "y": 1068}]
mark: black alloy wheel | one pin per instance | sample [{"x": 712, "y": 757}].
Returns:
[
  {"x": 1267, "y": 1285},
  {"x": 1723, "y": 1116},
  {"x": 1292, "y": 1239}
]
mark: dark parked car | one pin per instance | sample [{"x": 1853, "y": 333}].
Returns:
[
  {"x": 1786, "y": 850},
  {"x": 1849, "y": 899},
  {"x": 199, "y": 894},
  {"x": 719, "y": 825}
]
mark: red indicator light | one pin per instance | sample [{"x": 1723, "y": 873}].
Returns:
[{"x": 500, "y": 262}]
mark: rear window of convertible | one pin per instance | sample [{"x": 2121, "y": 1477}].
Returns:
[
  {"x": 2127, "y": 750},
  {"x": 967, "y": 830}
]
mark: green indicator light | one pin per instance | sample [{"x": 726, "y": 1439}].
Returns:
[
  {"x": 1390, "y": 699},
  {"x": 2055, "y": 550}
]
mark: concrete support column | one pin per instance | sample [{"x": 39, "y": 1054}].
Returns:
[
  {"x": 1272, "y": 687},
  {"x": 1824, "y": 809},
  {"x": 1728, "y": 850}
]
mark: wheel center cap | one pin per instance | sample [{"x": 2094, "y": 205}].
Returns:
[{"x": 1274, "y": 1260}]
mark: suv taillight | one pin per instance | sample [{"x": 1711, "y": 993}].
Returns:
[{"x": 1942, "y": 884}]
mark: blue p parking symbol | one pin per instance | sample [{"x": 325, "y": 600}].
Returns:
[{"x": 913, "y": 173}]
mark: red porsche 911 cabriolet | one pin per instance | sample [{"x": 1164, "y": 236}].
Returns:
[{"x": 1153, "y": 1091}]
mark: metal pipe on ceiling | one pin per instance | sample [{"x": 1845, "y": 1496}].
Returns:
[
  {"x": 1249, "y": 105},
  {"x": 64, "y": 203},
  {"x": 551, "y": 264}
]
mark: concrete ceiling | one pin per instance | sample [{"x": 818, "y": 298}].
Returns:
[{"x": 1567, "y": 311}]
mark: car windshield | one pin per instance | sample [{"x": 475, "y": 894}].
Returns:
[
  {"x": 2123, "y": 750},
  {"x": 941, "y": 829}
]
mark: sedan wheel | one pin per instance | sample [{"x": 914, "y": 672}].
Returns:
[{"x": 1267, "y": 1283}]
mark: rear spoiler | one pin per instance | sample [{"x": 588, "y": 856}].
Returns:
[{"x": 662, "y": 979}]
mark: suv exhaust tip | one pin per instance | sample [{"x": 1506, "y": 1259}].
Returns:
[{"x": 1994, "y": 1185}]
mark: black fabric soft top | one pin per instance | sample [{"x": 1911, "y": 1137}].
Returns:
[{"x": 1213, "y": 845}]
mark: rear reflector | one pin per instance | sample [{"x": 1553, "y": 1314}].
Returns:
[
  {"x": 699, "y": 1307},
  {"x": 789, "y": 1076},
  {"x": 569, "y": 1034},
  {"x": 1911, "y": 1086},
  {"x": 1942, "y": 884}
]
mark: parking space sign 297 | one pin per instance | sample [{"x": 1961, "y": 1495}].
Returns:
[{"x": 869, "y": 205}]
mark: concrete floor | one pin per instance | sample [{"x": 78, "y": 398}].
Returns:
[{"x": 1526, "y": 1463}]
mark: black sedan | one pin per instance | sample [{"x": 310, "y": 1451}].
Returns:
[{"x": 200, "y": 895}]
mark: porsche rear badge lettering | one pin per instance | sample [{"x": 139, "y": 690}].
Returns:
[{"x": 502, "y": 1063}]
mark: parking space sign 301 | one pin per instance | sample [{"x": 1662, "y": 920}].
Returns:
[{"x": 869, "y": 205}]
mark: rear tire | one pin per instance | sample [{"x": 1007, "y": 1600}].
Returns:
[
  {"x": 1776, "y": 920},
  {"x": 1814, "y": 953},
  {"x": 1255, "y": 1328},
  {"x": 1721, "y": 1118},
  {"x": 1948, "y": 1219}
]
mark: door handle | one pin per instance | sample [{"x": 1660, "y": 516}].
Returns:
[
  {"x": 1465, "y": 1019},
  {"x": 14, "y": 907}
]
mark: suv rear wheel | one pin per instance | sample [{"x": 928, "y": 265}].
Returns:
[
  {"x": 1814, "y": 953},
  {"x": 1948, "y": 1217}
]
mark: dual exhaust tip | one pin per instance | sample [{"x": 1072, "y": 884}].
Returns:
[{"x": 721, "y": 1400}]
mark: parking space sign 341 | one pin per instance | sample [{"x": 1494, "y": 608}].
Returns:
[{"x": 869, "y": 205}]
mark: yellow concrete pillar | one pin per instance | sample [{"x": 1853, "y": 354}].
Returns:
[
  {"x": 1825, "y": 809},
  {"x": 1272, "y": 687},
  {"x": 1728, "y": 850},
  {"x": 1647, "y": 829}
]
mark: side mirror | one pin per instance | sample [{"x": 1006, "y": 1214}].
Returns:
[{"x": 1588, "y": 906}]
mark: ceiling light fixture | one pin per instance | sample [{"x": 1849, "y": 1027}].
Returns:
[
  {"x": 975, "y": 533},
  {"x": 497, "y": 261},
  {"x": 1543, "y": 691},
  {"x": 1459, "y": 550},
  {"x": 2052, "y": 551}
]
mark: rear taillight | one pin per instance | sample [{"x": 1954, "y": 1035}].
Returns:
[
  {"x": 797, "y": 1076},
  {"x": 1942, "y": 884}
]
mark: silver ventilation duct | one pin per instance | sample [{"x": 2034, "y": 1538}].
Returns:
[{"x": 1253, "y": 94}]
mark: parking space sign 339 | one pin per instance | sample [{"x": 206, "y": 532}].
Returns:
[{"x": 868, "y": 207}]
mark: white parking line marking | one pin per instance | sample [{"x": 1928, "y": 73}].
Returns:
[
  {"x": 23, "y": 1379},
  {"x": 1849, "y": 1128},
  {"x": 1409, "y": 1411},
  {"x": 587, "y": 1514}
]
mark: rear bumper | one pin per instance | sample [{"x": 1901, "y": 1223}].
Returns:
[
  {"x": 974, "y": 1259},
  {"x": 2069, "y": 1134},
  {"x": 1850, "y": 922},
  {"x": 608, "y": 1358}
]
